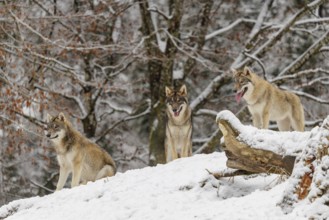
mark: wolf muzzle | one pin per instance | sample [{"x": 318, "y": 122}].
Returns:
[
  {"x": 49, "y": 136},
  {"x": 240, "y": 94},
  {"x": 176, "y": 112}
]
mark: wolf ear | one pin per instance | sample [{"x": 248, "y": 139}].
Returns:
[
  {"x": 61, "y": 116},
  {"x": 183, "y": 90},
  {"x": 169, "y": 91},
  {"x": 49, "y": 118},
  {"x": 247, "y": 71}
]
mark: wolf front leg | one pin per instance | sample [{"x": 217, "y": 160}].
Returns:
[
  {"x": 265, "y": 119},
  {"x": 170, "y": 146},
  {"x": 63, "y": 174},
  {"x": 187, "y": 149},
  {"x": 171, "y": 154},
  {"x": 76, "y": 175},
  {"x": 256, "y": 120}
]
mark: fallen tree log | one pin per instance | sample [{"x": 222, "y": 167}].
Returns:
[
  {"x": 247, "y": 155},
  {"x": 304, "y": 156}
]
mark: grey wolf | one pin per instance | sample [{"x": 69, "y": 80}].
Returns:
[
  {"x": 178, "y": 140},
  {"x": 76, "y": 154},
  {"x": 267, "y": 102}
]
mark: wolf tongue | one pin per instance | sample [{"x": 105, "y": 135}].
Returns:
[
  {"x": 176, "y": 113},
  {"x": 238, "y": 96}
]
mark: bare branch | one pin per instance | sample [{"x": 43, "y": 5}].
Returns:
[
  {"x": 213, "y": 86},
  {"x": 129, "y": 118},
  {"x": 255, "y": 31},
  {"x": 306, "y": 55},
  {"x": 19, "y": 125},
  {"x": 297, "y": 75},
  {"x": 163, "y": 14},
  {"x": 308, "y": 96},
  {"x": 229, "y": 27},
  {"x": 41, "y": 186},
  {"x": 259, "y": 62},
  {"x": 260, "y": 20},
  {"x": 278, "y": 35},
  {"x": 193, "y": 54},
  {"x": 67, "y": 96}
]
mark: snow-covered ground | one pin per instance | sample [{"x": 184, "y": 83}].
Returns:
[{"x": 182, "y": 189}]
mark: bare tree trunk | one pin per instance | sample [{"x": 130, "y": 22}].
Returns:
[
  {"x": 154, "y": 67},
  {"x": 201, "y": 35},
  {"x": 160, "y": 74},
  {"x": 89, "y": 120},
  {"x": 2, "y": 192}
]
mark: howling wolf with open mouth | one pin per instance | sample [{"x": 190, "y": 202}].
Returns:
[
  {"x": 267, "y": 102},
  {"x": 178, "y": 140}
]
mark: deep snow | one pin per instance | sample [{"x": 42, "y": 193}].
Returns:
[{"x": 182, "y": 189}]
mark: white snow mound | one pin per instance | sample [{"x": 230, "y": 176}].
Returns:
[{"x": 182, "y": 189}]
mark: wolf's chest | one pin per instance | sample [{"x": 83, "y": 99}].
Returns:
[
  {"x": 67, "y": 158},
  {"x": 179, "y": 136},
  {"x": 179, "y": 132}
]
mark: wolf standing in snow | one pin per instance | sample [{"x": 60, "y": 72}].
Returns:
[
  {"x": 267, "y": 102},
  {"x": 178, "y": 140},
  {"x": 76, "y": 154}
]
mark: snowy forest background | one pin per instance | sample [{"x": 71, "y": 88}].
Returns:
[{"x": 105, "y": 65}]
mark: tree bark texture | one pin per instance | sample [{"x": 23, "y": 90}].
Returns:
[
  {"x": 308, "y": 170},
  {"x": 241, "y": 156}
]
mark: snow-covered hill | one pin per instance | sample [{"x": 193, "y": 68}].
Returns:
[{"x": 182, "y": 189}]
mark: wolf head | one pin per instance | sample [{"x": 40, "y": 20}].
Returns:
[
  {"x": 56, "y": 126},
  {"x": 176, "y": 100},
  {"x": 243, "y": 82}
]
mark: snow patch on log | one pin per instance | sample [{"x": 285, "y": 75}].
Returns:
[{"x": 282, "y": 143}]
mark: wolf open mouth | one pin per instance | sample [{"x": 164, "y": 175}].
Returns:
[
  {"x": 240, "y": 94},
  {"x": 54, "y": 137},
  {"x": 176, "y": 113}
]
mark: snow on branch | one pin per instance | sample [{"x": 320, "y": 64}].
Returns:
[
  {"x": 116, "y": 107},
  {"x": 229, "y": 27},
  {"x": 261, "y": 64},
  {"x": 69, "y": 97},
  {"x": 157, "y": 10},
  {"x": 253, "y": 34},
  {"x": 58, "y": 44},
  {"x": 306, "y": 55},
  {"x": 206, "y": 112},
  {"x": 21, "y": 126},
  {"x": 267, "y": 25},
  {"x": 313, "y": 21},
  {"x": 191, "y": 53},
  {"x": 60, "y": 67},
  {"x": 128, "y": 118},
  {"x": 299, "y": 74},
  {"x": 210, "y": 89},
  {"x": 278, "y": 35},
  {"x": 262, "y": 14},
  {"x": 308, "y": 96}
]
